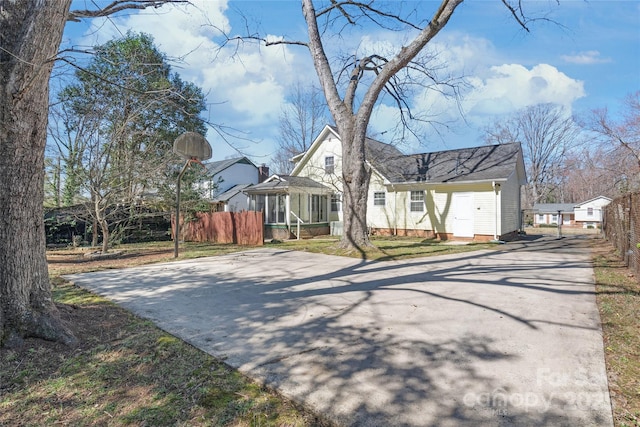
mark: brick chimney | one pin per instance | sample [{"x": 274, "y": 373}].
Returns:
[{"x": 263, "y": 173}]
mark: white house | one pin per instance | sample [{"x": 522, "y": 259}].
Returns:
[
  {"x": 228, "y": 179},
  {"x": 547, "y": 214},
  {"x": 471, "y": 193},
  {"x": 581, "y": 215},
  {"x": 589, "y": 213}
]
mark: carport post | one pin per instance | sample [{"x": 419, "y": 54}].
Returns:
[{"x": 559, "y": 224}]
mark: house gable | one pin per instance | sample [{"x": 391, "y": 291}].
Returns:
[
  {"x": 226, "y": 174},
  {"x": 227, "y": 180},
  {"x": 322, "y": 162},
  {"x": 219, "y": 166},
  {"x": 590, "y": 212},
  {"x": 327, "y": 134},
  {"x": 596, "y": 202}
]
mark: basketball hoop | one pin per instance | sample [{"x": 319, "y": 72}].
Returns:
[{"x": 194, "y": 148}]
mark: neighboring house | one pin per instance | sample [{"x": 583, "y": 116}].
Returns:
[
  {"x": 589, "y": 213},
  {"x": 228, "y": 179},
  {"x": 582, "y": 215},
  {"x": 547, "y": 214},
  {"x": 471, "y": 193}
]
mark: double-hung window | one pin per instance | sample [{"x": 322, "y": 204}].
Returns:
[
  {"x": 379, "y": 198},
  {"x": 336, "y": 202},
  {"x": 329, "y": 166},
  {"x": 417, "y": 201}
]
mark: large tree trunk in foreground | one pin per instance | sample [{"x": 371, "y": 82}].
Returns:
[
  {"x": 355, "y": 184},
  {"x": 30, "y": 35}
]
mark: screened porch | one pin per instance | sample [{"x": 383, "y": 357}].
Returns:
[{"x": 292, "y": 206}]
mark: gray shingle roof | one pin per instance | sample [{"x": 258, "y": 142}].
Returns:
[
  {"x": 482, "y": 163},
  {"x": 227, "y": 195},
  {"x": 553, "y": 207},
  {"x": 286, "y": 182},
  {"x": 216, "y": 167}
]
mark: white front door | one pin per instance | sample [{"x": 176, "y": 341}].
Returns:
[{"x": 463, "y": 214}]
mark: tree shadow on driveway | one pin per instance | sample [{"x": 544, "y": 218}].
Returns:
[{"x": 508, "y": 337}]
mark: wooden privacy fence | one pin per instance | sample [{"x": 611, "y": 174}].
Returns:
[
  {"x": 243, "y": 228},
  {"x": 622, "y": 228}
]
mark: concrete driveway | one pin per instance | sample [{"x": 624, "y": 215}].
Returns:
[{"x": 505, "y": 337}]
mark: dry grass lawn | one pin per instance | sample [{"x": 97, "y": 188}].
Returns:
[{"x": 618, "y": 297}]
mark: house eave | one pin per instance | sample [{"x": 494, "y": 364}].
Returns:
[{"x": 412, "y": 184}]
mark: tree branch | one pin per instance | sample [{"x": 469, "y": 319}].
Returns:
[
  {"x": 366, "y": 9},
  {"x": 118, "y": 6}
]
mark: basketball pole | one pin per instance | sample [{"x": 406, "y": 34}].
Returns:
[
  {"x": 176, "y": 237},
  {"x": 195, "y": 148}
]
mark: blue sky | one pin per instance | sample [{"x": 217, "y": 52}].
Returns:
[{"x": 586, "y": 55}]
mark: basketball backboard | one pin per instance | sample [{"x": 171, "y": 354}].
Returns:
[{"x": 192, "y": 145}]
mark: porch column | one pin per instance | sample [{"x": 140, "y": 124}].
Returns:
[
  {"x": 288, "y": 210},
  {"x": 327, "y": 211}
]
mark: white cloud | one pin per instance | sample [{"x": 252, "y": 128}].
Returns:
[
  {"x": 489, "y": 91},
  {"x": 585, "y": 58},
  {"x": 246, "y": 83},
  {"x": 510, "y": 87}
]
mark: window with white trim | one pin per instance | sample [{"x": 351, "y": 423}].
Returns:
[
  {"x": 329, "y": 164},
  {"x": 379, "y": 198},
  {"x": 417, "y": 201},
  {"x": 336, "y": 202},
  {"x": 589, "y": 211}
]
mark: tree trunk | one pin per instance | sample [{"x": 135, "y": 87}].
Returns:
[
  {"x": 105, "y": 236},
  {"x": 94, "y": 233},
  {"x": 30, "y": 38},
  {"x": 355, "y": 183}
]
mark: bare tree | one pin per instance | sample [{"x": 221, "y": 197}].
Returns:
[
  {"x": 352, "y": 85},
  {"x": 30, "y": 36},
  {"x": 623, "y": 134},
  {"x": 596, "y": 171},
  {"x": 547, "y": 133},
  {"x": 302, "y": 118}
]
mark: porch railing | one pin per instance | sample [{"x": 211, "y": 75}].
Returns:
[{"x": 298, "y": 221}]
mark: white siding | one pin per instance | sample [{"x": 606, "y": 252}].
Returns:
[
  {"x": 438, "y": 215},
  {"x": 235, "y": 174},
  {"x": 582, "y": 212},
  {"x": 314, "y": 167},
  {"x": 237, "y": 203},
  {"x": 381, "y": 216},
  {"x": 510, "y": 206},
  {"x": 483, "y": 207}
]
